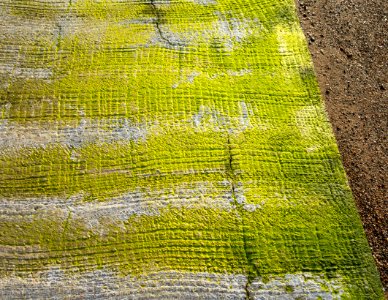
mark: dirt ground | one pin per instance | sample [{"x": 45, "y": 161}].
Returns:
[{"x": 348, "y": 40}]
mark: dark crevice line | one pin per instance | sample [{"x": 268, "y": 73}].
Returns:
[
  {"x": 60, "y": 36},
  {"x": 240, "y": 209},
  {"x": 157, "y": 23},
  {"x": 248, "y": 295}
]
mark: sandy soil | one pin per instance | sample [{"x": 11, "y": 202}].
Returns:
[{"x": 348, "y": 40}]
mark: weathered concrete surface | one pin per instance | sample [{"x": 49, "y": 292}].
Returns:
[{"x": 169, "y": 149}]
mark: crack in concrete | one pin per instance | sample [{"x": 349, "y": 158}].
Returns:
[
  {"x": 158, "y": 20},
  {"x": 248, "y": 295},
  {"x": 60, "y": 36},
  {"x": 240, "y": 209},
  {"x": 172, "y": 44}
]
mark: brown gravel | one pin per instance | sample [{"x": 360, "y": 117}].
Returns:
[{"x": 349, "y": 44}]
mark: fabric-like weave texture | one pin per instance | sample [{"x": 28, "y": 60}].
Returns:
[{"x": 170, "y": 150}]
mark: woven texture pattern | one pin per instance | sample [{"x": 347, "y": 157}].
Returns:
[{"x": 169, "y": 149}]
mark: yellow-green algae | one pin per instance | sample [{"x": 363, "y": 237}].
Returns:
[
  {"x": 271, "y": 241},
  {"x": 229, "y": 96}
]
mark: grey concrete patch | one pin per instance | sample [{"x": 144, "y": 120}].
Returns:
[
  {"x": 87, "y": 131},
  {"x": 14, "y": 71},
  {"x": 106, "y": 284},
  {"x": 204, "y": 2},
  {"x": 97, "y": 215},
  {"x": 297, "y": 286}
]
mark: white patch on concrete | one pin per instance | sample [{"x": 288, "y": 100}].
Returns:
[
  {"x": 68, "y": 25},
  {"x": 14, "y": 71},
  {"x": 227, "y": 31},
  {"x": 105, "y": 284},
  {"x": 189, "y": 79},
  {"x": 297, "y": 286},
  {"x": 244, "y": 119},
  {"x": 169, "y": 284},
  {"x": 235, "y": 30},
  {"x": 240, "y": 198},
  {"x": 239, "y": 73},
  {"x": 35, "y": 134},
  {"x": 95, "y": 215},
  {"x": 236, "y": 73},
  {"x": 168, "y": 39},
  {"x": 212, "y": 118},
  {"x": 204, "y": 2}
]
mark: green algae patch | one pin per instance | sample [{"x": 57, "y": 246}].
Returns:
[
  {"x": 107, "y": 170},
  {"x": 270, "y": 241},
  {"x": 182, "y": 136},
  {"x": 139, "y": 245}
]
